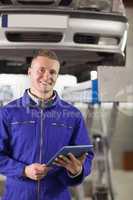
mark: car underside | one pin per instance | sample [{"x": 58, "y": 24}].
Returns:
[{"x": 84, "y": 34}]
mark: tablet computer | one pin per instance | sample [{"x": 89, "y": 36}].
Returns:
[{"x": 77, "y": 151}]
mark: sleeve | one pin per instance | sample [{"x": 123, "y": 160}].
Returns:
[
  {"x": 80, "y": 137},
  {"x": 8, "y": 166}
]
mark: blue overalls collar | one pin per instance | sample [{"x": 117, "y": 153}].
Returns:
[{"x": 27, "y": 101}]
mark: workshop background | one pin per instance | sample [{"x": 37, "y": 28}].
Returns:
[{"x": 110, "y": 125}]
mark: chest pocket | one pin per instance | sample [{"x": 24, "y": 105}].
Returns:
[
  {"x": 22, "y": 122},
  {"x": 60, "y": 133},
  {"x": 23, "y": 130},
  {"x": 59, "y": 125}
]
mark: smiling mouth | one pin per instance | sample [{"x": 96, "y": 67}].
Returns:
[{"x": 45, "y": 83}]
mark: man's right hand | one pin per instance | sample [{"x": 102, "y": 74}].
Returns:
[{"x": 36, "y": 171}]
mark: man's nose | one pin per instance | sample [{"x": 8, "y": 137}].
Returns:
[{"x": 46, "y": 74}]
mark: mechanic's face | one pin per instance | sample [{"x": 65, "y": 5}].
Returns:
[{"x": 43, "y": 74}]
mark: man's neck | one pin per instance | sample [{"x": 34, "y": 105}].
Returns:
[{"x": 42, "y": 97}]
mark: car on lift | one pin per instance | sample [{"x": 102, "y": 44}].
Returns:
[{"x": 84, "y": 33}]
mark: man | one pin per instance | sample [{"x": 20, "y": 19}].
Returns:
[{"x": 32, "y": 129}]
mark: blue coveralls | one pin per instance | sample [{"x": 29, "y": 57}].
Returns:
[{"x": 30, "y": 134}]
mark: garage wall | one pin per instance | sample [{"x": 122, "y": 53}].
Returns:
[
  {"x": 116, "y": 84},
  {"x": 123, "y": 135}
]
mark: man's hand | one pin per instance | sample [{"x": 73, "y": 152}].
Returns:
[
  {"x": 36, "y": 171},
  {"x": 71, "y": 163}
]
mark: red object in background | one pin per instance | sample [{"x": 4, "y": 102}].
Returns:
[
  {"x": 128, "y": 2},
  {"x": 128, "y": 160}
]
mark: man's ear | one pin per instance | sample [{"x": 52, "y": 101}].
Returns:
[{"x": 29, "y": 71}]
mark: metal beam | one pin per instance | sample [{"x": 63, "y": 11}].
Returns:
[{"x": 14, "y": 2}]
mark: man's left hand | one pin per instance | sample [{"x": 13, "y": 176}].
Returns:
[{"x": 71, "y": 163}]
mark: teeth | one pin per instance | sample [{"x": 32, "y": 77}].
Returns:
[{"x": 44, "y": 83}]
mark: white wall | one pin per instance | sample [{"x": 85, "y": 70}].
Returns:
[{"x": 12, "y": 86}]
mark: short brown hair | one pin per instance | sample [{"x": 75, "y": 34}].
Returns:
[{"x": 46, "y": 53}]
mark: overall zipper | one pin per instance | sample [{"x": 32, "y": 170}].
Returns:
[{"x": 40, "y": 153}]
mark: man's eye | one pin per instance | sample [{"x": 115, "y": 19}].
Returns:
[
  {"x": 41, "y": 70},
  {"x": 52, "y": 72}
]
